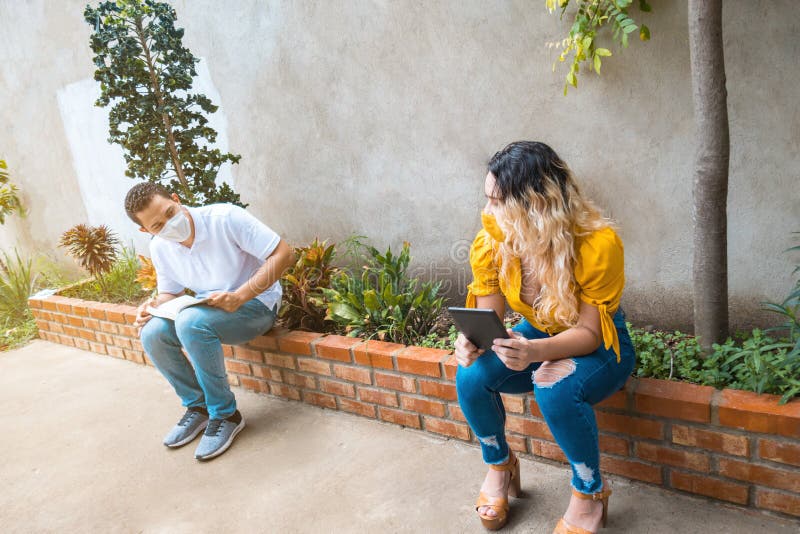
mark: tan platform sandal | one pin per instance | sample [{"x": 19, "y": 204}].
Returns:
[
  {"x": 565, "y": 528},
  {"x": 500, "y": 504}
]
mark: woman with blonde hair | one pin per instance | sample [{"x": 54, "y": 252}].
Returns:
[{"x": 550, "y": 255}]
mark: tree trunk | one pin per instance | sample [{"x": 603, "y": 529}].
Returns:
[
  {"x": 170, "y": 136},
  {"x": 710, "y": 183}
]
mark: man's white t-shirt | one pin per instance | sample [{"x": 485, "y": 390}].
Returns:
[{"x": 229, "y": 247}]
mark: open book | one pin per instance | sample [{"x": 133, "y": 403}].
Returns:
[{"x": 170, "y": 309}]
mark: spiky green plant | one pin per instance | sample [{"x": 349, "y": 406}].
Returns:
[
  {"x": 16, "y": 285},
  {"x": 94, "y": 247}
]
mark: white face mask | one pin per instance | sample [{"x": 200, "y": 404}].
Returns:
[{"x": 177, "y": 228}]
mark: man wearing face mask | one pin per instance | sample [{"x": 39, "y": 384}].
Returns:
[{"x": 220, "y": 252}]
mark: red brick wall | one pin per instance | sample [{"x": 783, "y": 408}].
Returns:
[{"x": 729, "y": 445}]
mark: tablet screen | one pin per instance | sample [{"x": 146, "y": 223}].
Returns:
[{"x": 480, "y": 325}]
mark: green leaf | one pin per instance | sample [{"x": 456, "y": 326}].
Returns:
[
  {"x": 603, "y": 52},
  {"x": 371, "y": 300},
  {"x": 597, "y": 62},
  {"x": 572, "y": 80},
  {"x": 344, "y": 311}
]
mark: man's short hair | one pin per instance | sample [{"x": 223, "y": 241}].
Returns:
[{"x": 140, "y": 196}]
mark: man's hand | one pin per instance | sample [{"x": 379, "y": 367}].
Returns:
[
  {"x": 142, "y": 315},
  {"x": 466, "y": 352},
  {"x": 516, "y": 353},
  {"x": 225, "y": 300}
]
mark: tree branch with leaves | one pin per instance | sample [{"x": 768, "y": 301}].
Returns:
[{"x": 590, "y": 18}]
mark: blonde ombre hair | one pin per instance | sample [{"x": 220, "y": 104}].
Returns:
[{"x": 541, "y": 214}]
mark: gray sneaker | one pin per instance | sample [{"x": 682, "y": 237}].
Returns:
[
  {"x": 192, "y": 423},
  {"x": 218, "y": 436}
]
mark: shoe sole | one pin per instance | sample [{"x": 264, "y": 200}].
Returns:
[
  {"x": 225, "y": 445},
  {"x": 190, "y": 437}
]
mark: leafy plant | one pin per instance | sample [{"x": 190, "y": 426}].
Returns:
[
  {"x": 304, "y": 306},
  {"x": 9, "y": 199},
  {"x": 435, "y": 340},
  {"x": 146, "y": 274},
  {"x": 382, "y": 300},
  {"x": 16, "y": 285},
  {"x": 590, "y": 17},
  {"x": 666, "y": 355},
  {"x": 118, "y": 284},
  {"x": 755, "y": 363},
  {"x": 761, "y": 364},
  {"x": 17, "y": 281},
  {"x": 145, "y": 71},
  {"x": 94, "y": 247}
]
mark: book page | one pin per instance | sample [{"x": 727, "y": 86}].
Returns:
[{"x": 170, "y": 309}]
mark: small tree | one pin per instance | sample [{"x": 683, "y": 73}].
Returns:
[
  {"x": 712, "y": 152},
  {"x": 146, "y": 73}
]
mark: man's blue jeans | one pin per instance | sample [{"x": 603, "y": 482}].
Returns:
[
  {"x": 565, "y": 402},
  {"x": 202, "y": 330}
]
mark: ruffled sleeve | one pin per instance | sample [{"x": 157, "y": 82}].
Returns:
[
  {"x": 485, "y": 280},
  {"x": 600, "y": 275}
]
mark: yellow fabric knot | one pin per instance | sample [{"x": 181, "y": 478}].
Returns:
[{"x": 610, "y": 337}]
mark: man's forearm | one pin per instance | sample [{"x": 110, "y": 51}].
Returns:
[{"x": 266, "y": 275}]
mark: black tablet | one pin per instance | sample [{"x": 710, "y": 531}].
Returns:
[{"x": 481, "y": 326}]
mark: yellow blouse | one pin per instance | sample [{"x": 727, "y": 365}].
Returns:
[{"x": 599, "y": 274}]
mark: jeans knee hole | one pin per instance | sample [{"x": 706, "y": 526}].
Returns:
[{"x": 552, "y": 372}]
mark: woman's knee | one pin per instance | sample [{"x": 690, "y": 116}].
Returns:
[
  {"x": 550, "y": 373},
  {"x": 473, "y": 378},
  {"x": 554, "y": 392}
]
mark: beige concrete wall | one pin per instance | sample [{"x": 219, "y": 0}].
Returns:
[{"x": 377, "y": 117}]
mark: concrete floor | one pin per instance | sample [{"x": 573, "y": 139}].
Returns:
[{"x": 82, "y": 440}]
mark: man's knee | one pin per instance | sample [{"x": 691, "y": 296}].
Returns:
[
  {"x": 154, "y": 331},
  {"x": 192, "y": 322}
]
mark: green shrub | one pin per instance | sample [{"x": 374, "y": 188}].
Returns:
[
  {"x": 382, "y": 300},
  {"x": 16, "y": 285},
  {"x": 17, "y": 281},
  {"x": 756, "y": 363}
]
